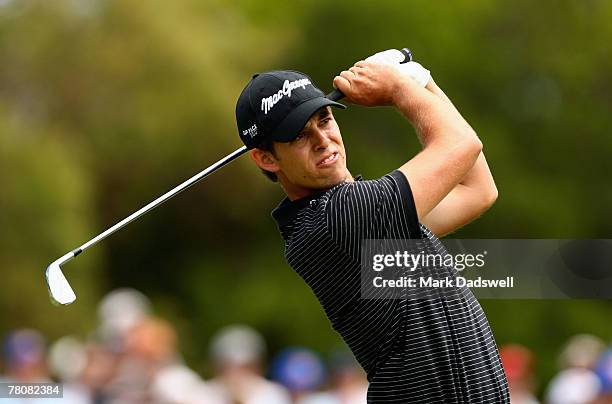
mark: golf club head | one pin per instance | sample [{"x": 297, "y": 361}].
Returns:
[{"x": 59, "y": 288}]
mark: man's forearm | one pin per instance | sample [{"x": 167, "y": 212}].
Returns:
[
  {"x": 479, "y": 177},
  {"x": 450, "y": 145},
  {"x": 474, "y": 194},
  {"x": 434, "y": 117},
  {"x": 467, "y": 201}
]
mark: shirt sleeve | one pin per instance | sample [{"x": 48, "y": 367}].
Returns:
[{"x": 376, "y": 209}]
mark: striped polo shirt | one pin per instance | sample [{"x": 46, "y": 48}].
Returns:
[{"x": 434, "y": 350}]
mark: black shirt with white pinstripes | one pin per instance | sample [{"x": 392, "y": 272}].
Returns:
[{"x": 436, "y": 350}]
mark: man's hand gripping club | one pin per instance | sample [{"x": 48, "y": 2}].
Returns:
[{"x": 450, "y": 180}]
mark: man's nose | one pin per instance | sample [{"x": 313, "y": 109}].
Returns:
[{"x": 320, "y": 139}]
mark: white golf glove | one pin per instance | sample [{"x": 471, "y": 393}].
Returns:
[{"x": 394, "y": 57}]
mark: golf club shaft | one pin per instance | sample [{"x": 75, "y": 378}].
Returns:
[
  {"x": 162, "y": 199},
  {"x": 334, "y": 95}
]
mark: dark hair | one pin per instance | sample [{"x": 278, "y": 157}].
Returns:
[{"x": 268, "y": 145}]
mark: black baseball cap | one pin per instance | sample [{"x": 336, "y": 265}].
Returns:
[{"x": 276, "y": 105}]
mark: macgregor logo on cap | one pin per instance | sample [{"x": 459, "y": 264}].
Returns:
[{"x": 288, "y": 86}]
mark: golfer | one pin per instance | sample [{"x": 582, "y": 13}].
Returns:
[{"x": 412, "y": 350}]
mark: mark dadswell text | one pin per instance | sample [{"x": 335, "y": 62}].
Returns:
[{"x": 448, "y": 282}]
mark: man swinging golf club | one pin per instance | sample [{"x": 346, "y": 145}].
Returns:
[
  {"x": 413, "y": 350},
  {"x": 435, "y": 349}
]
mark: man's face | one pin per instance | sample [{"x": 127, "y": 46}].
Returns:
[{"x": 315, "y": 160}]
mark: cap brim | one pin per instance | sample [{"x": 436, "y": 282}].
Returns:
[{"x": 293, "y": 123}]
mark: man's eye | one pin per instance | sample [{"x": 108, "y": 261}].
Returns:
[{"x": 325, "y": 121}]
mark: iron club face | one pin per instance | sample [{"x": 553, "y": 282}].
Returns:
[{"x": 59, "y": 288}]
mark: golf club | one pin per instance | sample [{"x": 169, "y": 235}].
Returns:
[{"x": 59, "y": 288}]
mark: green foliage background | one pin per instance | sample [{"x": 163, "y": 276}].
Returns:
[{"x": 106, "y": 104}]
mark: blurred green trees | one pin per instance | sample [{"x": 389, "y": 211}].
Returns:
[{"x": 106, "y": 104}]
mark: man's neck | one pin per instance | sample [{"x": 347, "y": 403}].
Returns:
[{"x": 297, "y": 192}]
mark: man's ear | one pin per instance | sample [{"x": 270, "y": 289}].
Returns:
[{"x": 264, "y": 160}]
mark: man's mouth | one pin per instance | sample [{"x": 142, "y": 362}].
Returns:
[{"x": 329, "y": 160}]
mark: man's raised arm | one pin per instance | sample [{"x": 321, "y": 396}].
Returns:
[
  {"x": 469, "y": 199},
  {"x": 451, "y": 148}
]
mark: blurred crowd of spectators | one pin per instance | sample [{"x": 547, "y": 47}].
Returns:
[
  {"x": 585, "y": 375},
  {"x": 133, "y": 358}
]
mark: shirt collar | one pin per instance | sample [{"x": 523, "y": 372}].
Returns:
[{"x": 287, "y": 209}]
